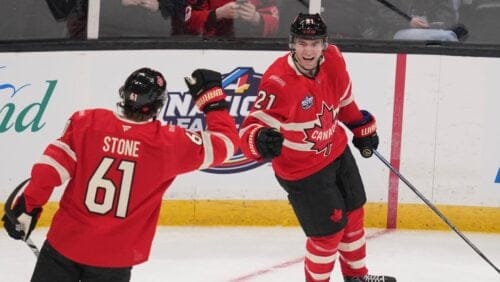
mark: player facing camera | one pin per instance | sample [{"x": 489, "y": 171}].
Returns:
[{"x": 307, "y": 41}]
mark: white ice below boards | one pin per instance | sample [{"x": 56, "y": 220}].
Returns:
[{"x": 224, "y": 254}]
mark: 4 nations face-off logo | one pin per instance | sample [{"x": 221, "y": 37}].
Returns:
[{"x": 241, "y": 86}]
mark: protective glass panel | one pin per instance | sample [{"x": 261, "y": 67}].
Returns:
[
  {"x": 23, "y": 20},
  {"x": 466, "y": 21}
]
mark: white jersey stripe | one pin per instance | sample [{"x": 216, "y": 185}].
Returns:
[
  {"x": 344, "y": 95},
  {"x": 344, "y": 103},
  {"x": 305, "y": 147},
  {"x": 61, "y": 170},
  {"x": 209, "y": 150},
  {"x": 227, "y": 143},
  {"x": 267, "y": 119},
  {"x": 63, "y": 146},
  {"x": 294, "y": 126}
]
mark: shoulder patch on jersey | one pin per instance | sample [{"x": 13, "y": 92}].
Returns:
[{"x": 278, "y": 80}]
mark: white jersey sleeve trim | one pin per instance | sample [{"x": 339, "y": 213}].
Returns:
[
  {"x": 208, "y": 149},
  {"x": 297, "y": 146},
  {"x": 63, "y": 146},
  {"x": 267, "y": 119},
  {"x": 227, "y": 144},
  {"x": 343, "y": 101},
  {"x": 61, "y": 170},
  {"x": 272, "y": 122}
]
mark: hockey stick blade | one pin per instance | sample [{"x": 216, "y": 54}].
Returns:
[
  {"x": 435, "y": 209},
  {"x": 13, "y": 219}
]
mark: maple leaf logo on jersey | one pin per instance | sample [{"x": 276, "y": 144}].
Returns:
[{"x": 322, "y": 131}]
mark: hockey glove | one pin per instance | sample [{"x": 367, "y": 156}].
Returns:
[
  {"x": 26, "y": 220},
  {"x": 205, "y": 86},
  {"x": 269, "y": 142},
  {"x": 365, "y": 134}
]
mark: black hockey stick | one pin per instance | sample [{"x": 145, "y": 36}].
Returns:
[
  {"x": 395, "y": 9},
  {"x": 434, "y": 209},
  {"x": 459, "y": 29},
  {"x": 13, "y": 219}
]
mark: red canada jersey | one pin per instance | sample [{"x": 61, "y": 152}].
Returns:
[
  {"x": 306, "y": 111},
  {"x": 117, "y": 173}
]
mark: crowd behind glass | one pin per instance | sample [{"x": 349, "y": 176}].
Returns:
[{"x": 465, "y": 21}]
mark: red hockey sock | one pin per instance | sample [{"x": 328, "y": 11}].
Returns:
[
  {"x": 352, "y": 247},
  {"x": 320, "y": 257}
]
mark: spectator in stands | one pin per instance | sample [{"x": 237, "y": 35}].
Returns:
[
  {"x": 74, "y": 13},
  {"x": 218, "y": 18},
  {"x": 418, "y": 20},
  {"x": 77, "y": 21}
]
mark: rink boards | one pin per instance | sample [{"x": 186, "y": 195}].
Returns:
[{"x": 437, "y": 122}]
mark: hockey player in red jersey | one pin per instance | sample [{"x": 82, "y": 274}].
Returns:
[
  {"x": 304, "y": 97},
  {"x": 118, "y": 166}
]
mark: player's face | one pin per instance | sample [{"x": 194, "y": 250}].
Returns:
[{"x": 308, "y": 52}]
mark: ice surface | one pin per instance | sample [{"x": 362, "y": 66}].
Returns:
[{"x": 223, "y": 254}]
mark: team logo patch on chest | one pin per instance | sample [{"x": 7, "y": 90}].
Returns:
[
  {"x": 307, "y": 102},
  {"x": 321, "y": 134}
]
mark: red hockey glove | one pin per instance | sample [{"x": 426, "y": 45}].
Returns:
[
  {"x": 205, "y": 86},
  {"x": 26, "y": 220},
  {"x": 365, "y": 134},
  {"x": 269, "y": 142}
]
